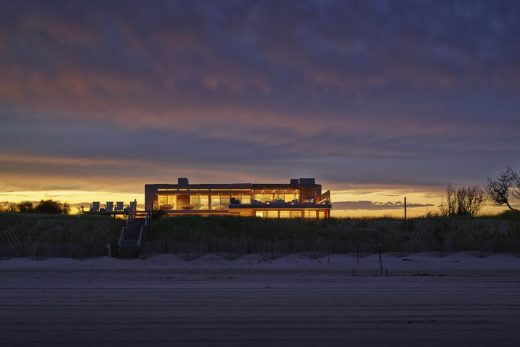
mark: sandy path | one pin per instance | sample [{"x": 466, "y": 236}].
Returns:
[{"x": 163, "y": 307}]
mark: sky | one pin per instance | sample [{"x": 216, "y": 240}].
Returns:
[{"x": 376, "y": 99}]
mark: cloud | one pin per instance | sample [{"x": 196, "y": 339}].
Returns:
[
  {"x": 371, "y": 205},
  {"x": 361, "y": 92}
]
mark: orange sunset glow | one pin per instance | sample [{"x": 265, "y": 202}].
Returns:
[
  {"x": 97, "y": 100},
  {"x": 260, "y": 173}
]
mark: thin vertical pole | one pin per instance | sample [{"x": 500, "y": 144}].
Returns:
[
  {"x": 357, "y": 253},
  {"x": 405, "y": 208},
  {"x": 380, "y": 260}
]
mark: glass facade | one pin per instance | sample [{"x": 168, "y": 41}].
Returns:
[
  {"x": 284, "y": 214},
  {"x": 265, "y": 201},
  {"x": 272, "y": 214},
  {"x": 298, "y": 198},
  {"x": 245, "y": 199},
  {"x": 287, "y": 197},
  {"x": 162, "y": 200},
  {"x": 265, "y": 197},
  {"x": 295, "y": 214},
  {"x": 199, "y": 202},
  {"x": 290, "y": 214},
  {"x": 167, "y": 202},
  {"x": 309, "y": 214},
  {"x": 220, "y": 202},
  {"x": 201, "y": 199}
]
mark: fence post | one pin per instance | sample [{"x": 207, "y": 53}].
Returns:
[
  {"x": 380, "y": 261},
  {"x": 357, "y": 253}
]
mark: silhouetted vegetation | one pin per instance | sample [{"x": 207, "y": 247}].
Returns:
[
  {"x": 504, "y": 186},
  {"x": 158, "y": 214},
  {"x": 235, "y": 236},
  {"x": 463, "y": 201},
  {"x": 51, "y": 235},
  {"x": 52, "y": 207},
  {"x": 25, "y": 207},
  {"x": 44, "y": 206},
  {"x": 6, "y": 206}
]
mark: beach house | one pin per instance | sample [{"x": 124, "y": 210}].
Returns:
[{"x": 300, "y": 198}]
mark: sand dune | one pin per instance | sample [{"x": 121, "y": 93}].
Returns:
[{"x": 457, "y": 263}]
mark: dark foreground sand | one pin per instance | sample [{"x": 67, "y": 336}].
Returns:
[{"x": 61, "y": 306}]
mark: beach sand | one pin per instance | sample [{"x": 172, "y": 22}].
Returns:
[{"x": 421, "y": 300}]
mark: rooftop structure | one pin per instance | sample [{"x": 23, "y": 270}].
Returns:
[{"x": 300, "y": 198}]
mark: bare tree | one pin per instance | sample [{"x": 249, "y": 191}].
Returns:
[
  {"x": 504, "y": 186},
  {"x": 470, "y": 200},
  {"x": 463, "y": 201},
  {"x": 449, "y": 204}
]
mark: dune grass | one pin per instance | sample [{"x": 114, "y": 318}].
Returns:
[
  {"x": 40, "y": 235},
  {"x": 232, "y": 236},
  {"x": 47, "y": 235}
]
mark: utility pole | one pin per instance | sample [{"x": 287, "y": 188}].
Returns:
[{"x": 405, "y": 208}]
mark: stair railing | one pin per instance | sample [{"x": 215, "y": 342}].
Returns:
[
  {"x": 122, "y": 236},
  {"x": 140, "y": 240},
  {"x": 142, "y": 232},
  {"x": 131, "y": 215}
]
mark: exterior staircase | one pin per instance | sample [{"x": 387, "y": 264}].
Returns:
[{"x": 130, "y": 244}]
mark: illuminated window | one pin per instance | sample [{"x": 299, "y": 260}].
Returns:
[
  {"x": 284, "y": 196},
  {"x": 224, "y": 201},
  {"x": 242, "y": 198},
  {"x": 220, "y": 202},
  {"x": 321, "y": 214},
  {"x": 172, "y": 201},
  {"x": 262, "y": 197},
  {"x": 292, "y": 197},
  {"x": 236, "y": 199},
  {"x": 261, "y": 214},
  {"x": 309, "y": 214},
  {"x": 296, "y": 214},
  {"x": 166, "y": 202},
  {"x": 183, "y": 202},
  {"x": 215, "y": 202},
  {"x": 204, "y": 202},
  {"x": 245, "y": 199},
  {"x": 287, "y": 197},
  {"x": 285, "y": 214},
  {"x": 162, "y": 200},
  {"x": 272, "y": 214},
  {"x": 199, "y": 202}
]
